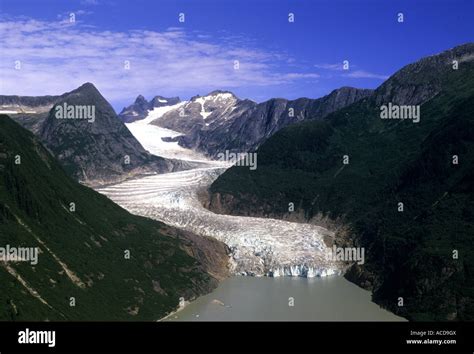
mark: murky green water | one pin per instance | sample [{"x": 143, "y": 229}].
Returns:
[{"x": 268, "y": 299}]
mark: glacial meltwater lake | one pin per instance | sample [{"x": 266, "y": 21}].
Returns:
[{"x": 240, "y": 298}]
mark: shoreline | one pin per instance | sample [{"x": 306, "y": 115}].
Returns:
[{"x": 180, "y": 308}]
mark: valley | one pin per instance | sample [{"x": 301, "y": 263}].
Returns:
[
  {"x": 340, "y": 188},
  {"x": 259, "y": 246},
  {"x": 273, "y": 262}
]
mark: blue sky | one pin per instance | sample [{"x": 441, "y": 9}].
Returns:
[{"x": 170, "y": 58}]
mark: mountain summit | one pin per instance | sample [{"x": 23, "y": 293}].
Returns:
[
  {"x": 84, "y": 133},
  {"x": 140, "y": 108}
]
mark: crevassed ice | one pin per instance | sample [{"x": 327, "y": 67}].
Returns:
[{"x": 259, "y": 246}]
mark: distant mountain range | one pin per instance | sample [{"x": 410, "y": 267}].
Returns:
[
  {"x": 96, "y": 261},
  {"x": 220, "y": 121},
  {"x": 401, "y": 188},
  {"x": 102, "y": 150}
]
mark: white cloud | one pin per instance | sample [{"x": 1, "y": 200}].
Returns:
[
  {"x": 301, "y": 76},
  {"x": 335, "y": 67},
  {"x": 356, "y": 74},
  {"x": 76, "y": 12},
  {"x": 90, "y": 2},
  {"x": 59, "y": 56},
  {"x": 362, "y": 74}
]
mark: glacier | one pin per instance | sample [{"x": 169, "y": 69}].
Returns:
[{"x": 259, "y": 246}]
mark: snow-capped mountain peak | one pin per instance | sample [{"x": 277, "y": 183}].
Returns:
[
  {"x": 215, "y": 101},
  {"x": 200, "y": 112},
  {"x": 141, "y": 107}
]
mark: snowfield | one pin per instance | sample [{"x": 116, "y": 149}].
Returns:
[
  {"x": 150, "y": 136},
  {"x": 259, "y": 246}
]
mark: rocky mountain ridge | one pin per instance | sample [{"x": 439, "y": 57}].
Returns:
[{"x": 95, "y": 150}]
